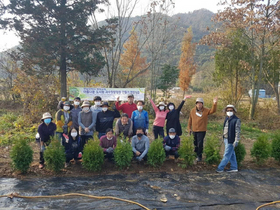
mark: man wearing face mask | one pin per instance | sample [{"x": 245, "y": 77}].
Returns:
[
  {"x": 97, "y": 105},
  {"x": 105, "y": 119},
  {"x": 197, "y": 124},
  {"x": 108, "y": 143},
  {"x": 63, "y": 121},
  {"x": 171, "y": 143},
  {"x": 140, "y": 118},
  {"x": 140, "y": 145},
  {"x": 173, "y": 116},
  {"x": 72, "y": 147},
  {"x": 159, "y": 121},
  {"x": 87, "y": 120},
  {"x": 231, "y": 136},
  {"x": 46, "y": 130},
  {"x": 127, "y": 107},
  {"x": 75, "y": 112}
]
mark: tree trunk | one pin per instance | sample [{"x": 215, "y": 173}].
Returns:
[{"x": 63, "y": 74}]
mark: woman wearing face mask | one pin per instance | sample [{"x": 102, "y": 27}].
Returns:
[
  {"x": 140, "y": 118},
  {"x": 159, "y": 122},
  {"x": 87, "y": 120},
  {"x": 63, "y": 120},
  {"x": 173, "y": 117},
  {"x": 72, "y": 147},
  {"x": 46, "y": 130}
]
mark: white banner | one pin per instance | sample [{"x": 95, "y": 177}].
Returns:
[{"x": 107, "y": 94}]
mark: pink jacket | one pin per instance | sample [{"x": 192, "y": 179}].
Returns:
[{"x": 160, "y": 115}]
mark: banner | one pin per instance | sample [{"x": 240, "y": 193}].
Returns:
[{"x": 107, "y": 94}]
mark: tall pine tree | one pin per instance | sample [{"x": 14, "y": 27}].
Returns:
[
  {"x": 56, "y": 36},
  {"x": 187, "y": 66}
]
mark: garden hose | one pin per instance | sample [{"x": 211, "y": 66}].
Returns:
[
  {"x": 12, "y": 195},
  {"x": 267, "y": 204}
]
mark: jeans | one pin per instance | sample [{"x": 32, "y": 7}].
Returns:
[
  {"x": 198, "y": 143},
  {"x": 60, "y": 137},
  {"x": 158, "y": 131},
  {"x": 229, "y": 156}
]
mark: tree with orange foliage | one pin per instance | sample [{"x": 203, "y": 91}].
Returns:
[
  {"x": 187, "y": 66},
  {"x": 132, "y": 63}
]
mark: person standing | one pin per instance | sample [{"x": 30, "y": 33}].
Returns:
[
  {"x": 159, "y": 122},
  {"x": 124, "y": 126},
  {"x": 46, "y": 130},
  {"x": 140, "y": 118},
  {"x": 171, "y": 143},
  {"x": 63, "y": 121},
  {"x": 231, "y": 136},
  {"x": 105, "y": 119},
  {"x": 197, "y": 124},
  {"x": 60, "y": 103},
  {"x": 75, "y": 113},
  {"x": 108, "y": 142},
  {"x": 173, "y": 117},
  {"x": 87, "y": 120},
  {"x": 140, "y": 145},
  {"x": 127, "y": 107}
]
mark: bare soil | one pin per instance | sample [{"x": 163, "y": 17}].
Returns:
[{"x": 109, "y": 168}]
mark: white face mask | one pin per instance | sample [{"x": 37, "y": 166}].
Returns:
[
  {"x": 110, "y": 138},
  {"x": 66, "y": 108},
  {"x": 76, "y": 103},
  {"x": 172, "y": 136},
  {"x": 171, "y": 107},
  {"x": 74, "y": 134},
  {"x": 104, "y": 109},
  {"x": 229, "y": 114},
  {"x": 161, "y": 108},
  {"x": 85, "y": 109},
  {"x": 139, "y": 107},
  {"x": 97, "y": 103}
]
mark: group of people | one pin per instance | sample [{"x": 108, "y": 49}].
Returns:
[{"x": 75, "y": 125}]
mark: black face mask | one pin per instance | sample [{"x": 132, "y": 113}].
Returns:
[{"x": 139, "y": 134}]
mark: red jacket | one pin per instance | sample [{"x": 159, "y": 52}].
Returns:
[{"x": 126, "y": 108}]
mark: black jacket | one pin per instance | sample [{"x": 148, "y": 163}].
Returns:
[
  {"x": 105, "y": 120},
  {"x": 173, "y": 120},
  {"x": 231, "y": 128}
]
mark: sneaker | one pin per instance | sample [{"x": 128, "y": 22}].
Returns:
[
  {"x": 66, "y": 165},
  {"x": 219, "y": 171},
  {"x": 41, "y": 166},
  {"x": 198, "y": 159},
  {"x": 232, "y": 170}
]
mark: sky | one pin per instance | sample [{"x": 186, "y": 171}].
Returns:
[{"x": 8, "y": 39}]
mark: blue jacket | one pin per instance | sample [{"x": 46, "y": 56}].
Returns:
[{"x": 140, "y": 119}]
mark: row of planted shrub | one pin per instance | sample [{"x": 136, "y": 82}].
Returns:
[{"x": 93, "y": 157}]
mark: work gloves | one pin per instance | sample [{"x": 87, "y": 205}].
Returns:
[
  {"x": 167, "y": 148},
  {"x": 235, "y": 143},
  {"x": 110, "y": 150}
]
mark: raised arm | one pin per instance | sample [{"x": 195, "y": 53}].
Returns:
[
  {"x": 214, "y": 106},
  {"x": 182, "y": 103}
]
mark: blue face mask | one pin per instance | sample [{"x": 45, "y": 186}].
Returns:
[{"x": 47, "y": 121}]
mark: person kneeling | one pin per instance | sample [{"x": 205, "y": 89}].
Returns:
[
  {"x": 171, "y": 143},
  {"x": 73, "y": 147},
  {"x": 108, "y": 142},
  {"x": 140, "y": 145}
]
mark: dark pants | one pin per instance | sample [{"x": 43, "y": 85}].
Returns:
[
  {"x": 42, "y": 161},
  {"x": 101, "y": 134},
  {"x": 158, "y": 131},
  {"x": 109, "y": 156},
  {"x": 144, "y": 158},
  {"x": 198, "y": 143},
  {"x": 171, "y": 152},
  {"x": 84, "y": 140}
]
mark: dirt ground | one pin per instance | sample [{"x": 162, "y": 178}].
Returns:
[{"x": 109, "y": 168}]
